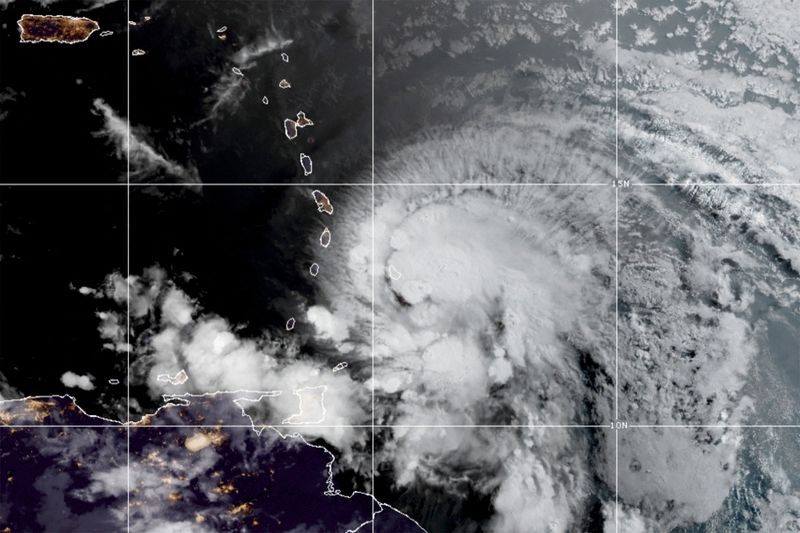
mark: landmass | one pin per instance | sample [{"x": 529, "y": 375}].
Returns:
[
  {"x": 323, "y": 203},
  {"x": 394, "y": 273},
  {"x": 306, "y": 163},
  {"x": 290, "y": 128},
  {"x": 55, "y": 29},
  {"x": 302, "y": 120},
  {"x": 325, "y": 238},
  {"x": 178, "y": 379},
  {"x": 227, "y": 476},
  {"x": 312, "y": 406}
]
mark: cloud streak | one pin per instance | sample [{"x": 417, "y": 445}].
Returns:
[{"x": 145, "y": 162}]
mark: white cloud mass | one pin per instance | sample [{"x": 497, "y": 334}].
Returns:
[
  {"x": 505, "y": 309},
  {"x": 72, "y": 380}
]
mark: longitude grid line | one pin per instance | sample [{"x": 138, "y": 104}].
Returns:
[
  {"x": 128, "y": 255},
  {"x": 372, "y": 323},
  {"x": 616, "y": 265}
]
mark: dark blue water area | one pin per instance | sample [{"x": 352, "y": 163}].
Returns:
[{"x": 390, "y": 520}]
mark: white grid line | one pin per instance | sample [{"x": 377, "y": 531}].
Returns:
[
  {"x": 299, "y": 428},
  {"x": 616, "y": 303},
  {"x": 372, "y": 324},
  {"x": 366, "y": 184},
  {"x": 715, "y": 426},
  {"x": 372, "y": 185},
  {"x": 399, "y": 184},
  {"x": 616, "y": 265},
  {"x": 128, "y": 253},
  {"x": 616, "y": 480}
]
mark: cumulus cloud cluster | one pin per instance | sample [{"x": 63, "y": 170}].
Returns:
[
  {"x": 708, "y": 276},
  {"x": 71, "y": 379},
  {"x": 494, "y": 305},
  {"x": 504, "y": 314},
  {"x": 164, "y": 478},
  {"x": 173, "y": 334}
]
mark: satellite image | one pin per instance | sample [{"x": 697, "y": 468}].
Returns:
[{"x": 399, "y": 266}]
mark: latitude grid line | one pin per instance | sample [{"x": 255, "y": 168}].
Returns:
[
  {"x": 300, "y": 427},
  {"x": 476, "y": 185}
]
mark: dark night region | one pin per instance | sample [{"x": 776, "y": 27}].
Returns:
[
  {"x": 51, "y": 129},
  {"x": 48, "y": 478},
  {"x": 53, "y": 242},
  {"x": 438, "y": 509},
  {"x": 211, "y": 119},
  {"x": 220, "y": 478},
  {"x": 62, "y": 410},
  {"x": 246, "y": 248}
]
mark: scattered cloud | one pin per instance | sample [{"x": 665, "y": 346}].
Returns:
[
  {"x": 269, "y": 42},
  {"x": 72, "y": 380},
  {"x": 231, "y": 88},
  {"x": 173, "y": 335}
]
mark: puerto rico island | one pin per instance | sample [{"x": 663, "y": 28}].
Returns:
[{"x": 55, "y": 29}]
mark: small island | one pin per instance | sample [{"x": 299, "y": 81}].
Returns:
[
  {"x": 55, "y": 29},
  {"x": 323, "y": 202}
]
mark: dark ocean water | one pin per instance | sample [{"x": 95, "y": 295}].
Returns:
[
  {"x": 48, "y": 90},
  {"x": 54, "y": 241},
  {"x": 176, "y": 87}
]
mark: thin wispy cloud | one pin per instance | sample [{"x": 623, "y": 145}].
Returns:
[{"x": 146, "y": 162}]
